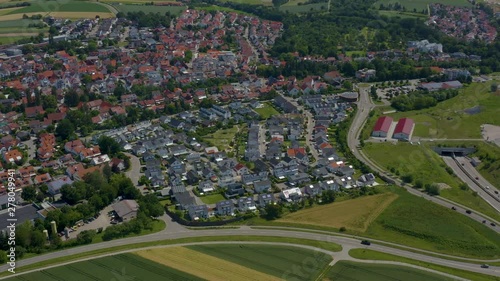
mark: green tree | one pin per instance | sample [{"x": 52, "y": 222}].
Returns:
[
  {"x": 432, "y": 189},
  {"x": 65, "y": 129},
  {"x": 108, "y": 145},
  {"x": 327, "y": 196},
  {"x": 273, "y": 211},
  {"x": 85, "y": 237},
  {"x": 29, "y": 193}
]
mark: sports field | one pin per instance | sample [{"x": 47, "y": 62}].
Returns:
[
  {"x": 355, "y": 214},
  {"x": 416, "y": 222},
  {"x": 355, "y": 271}
]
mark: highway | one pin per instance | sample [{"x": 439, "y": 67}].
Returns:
[
  {"x": 458, "y": 168},
  {"x": 175, "y": 231},
  {"x": 365, "y": 105}
]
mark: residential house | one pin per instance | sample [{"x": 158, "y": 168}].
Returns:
[
  {"x": 225, "y": 208},
  {"x": 266, "y": 199},
  {"x": 206, "y": 187},
  {"x": 197, "y": 212},
  {"x": 291, "y": 195},
  {"x": 234, "y": 190},
  {"x": 246, "y": 204},
  {"x": 262, "y": 186}
]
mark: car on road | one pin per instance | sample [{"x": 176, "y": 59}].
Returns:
[
  {"x": 487, "y": 187},
  {"x": 453, "y": 208},
  {"x": 477, "y": 178},
  {"x": 484, "y": 221},
  {"x": 366, "y": 242},
  {"x": 485, "y": 266},
  {"x": 468, "y": 212},
  {"x": 496, "y": 191},
  {"x": 492, "y": 224}
]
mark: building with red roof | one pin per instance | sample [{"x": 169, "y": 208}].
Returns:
[
  {"x": 382, "y": 127},
  {"x": 404, "y": 129}
]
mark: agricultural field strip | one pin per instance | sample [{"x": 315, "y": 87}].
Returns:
[
  {"x": 203, "y": 265},
  {"x": 349, "y": 270},
  {"x": 244, "y": 232},
  {"x": 366, "y": 210}
]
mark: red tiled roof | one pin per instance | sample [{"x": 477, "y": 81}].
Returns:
[
  {"x": 405, "y": 125},
  {"x": 383, "y": 124}
]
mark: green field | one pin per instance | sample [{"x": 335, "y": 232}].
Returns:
[
  {"x": 212, "y": 198},
  {"x": 222, "y": 138},
  {"x": 448, "y": 120},
  {"x": 250, "y": 2},
  {"x": 278, "y": 261},
  {"x": 425, "y": 165},
  {"x": 416, "y": 222},
  {"x": 266, "y": 111},
  {"x": 11, "y": 39},
  {"x": 119, "y": 267},
  {"x": 295, "y": 9},
  {"x": 23, "y": 23},
  {"x": 355, "y": 271},
  {"x": 174, "y": 10},
  {"x": 367, "y": 254},
  {"x": 64, "y": 6},
  {"x": 420, "y": 5},
  {"x": 403, "y": 15},
  {"x": 273, "y": 261}
]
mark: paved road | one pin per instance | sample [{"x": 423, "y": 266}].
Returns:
[
  {"x": 174, "y": 231},
  {"x": 309, "y": 127},
  {"x": 365, "y": 105},
  {"x": 295, "y": 268},
  {"x": 488, "y": 195}
]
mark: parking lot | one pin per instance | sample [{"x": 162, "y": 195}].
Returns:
[{"x": 102, "y": 221}]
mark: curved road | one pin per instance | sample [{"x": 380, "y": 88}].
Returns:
[
  {"x": 336, "y": 256},
  {"x": 175, "y": 231},
  {"x": 365, "y": 105}
]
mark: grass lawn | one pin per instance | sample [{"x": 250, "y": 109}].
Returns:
[
  {"x": 158, "y": 225},
  {"x": 266, "y": 111},
  {"x": 426, "y": 165},
  {"x": 294, "y": 2},
  {"x": 174, "y": 10},
  {"x": 11, "y": 39},
  {"x": 403, "y": 15},
  {"x": 366, "y": 254},
  {"x": 65, "y": 6},
  {"x": 212, "y": 198},
  {"x": 420, "y": 5},
  {"x": 356, "y": 271},
  {"x": 278, "y": 261},
  {"x": 250, "y": 2},
  {"x": 323, "y": 245},
  {"x": 447, "y": 120},
  {"x": 23, "y": 23},
  {"x": 316, "y": 7},
  {"x": 221, "y": 9},
  {"x": 416, "y": 222},
  {"x": 355, "y": 214},
  {"x": 119, "y": 267},
  {"x": 222, "y": 138}
]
